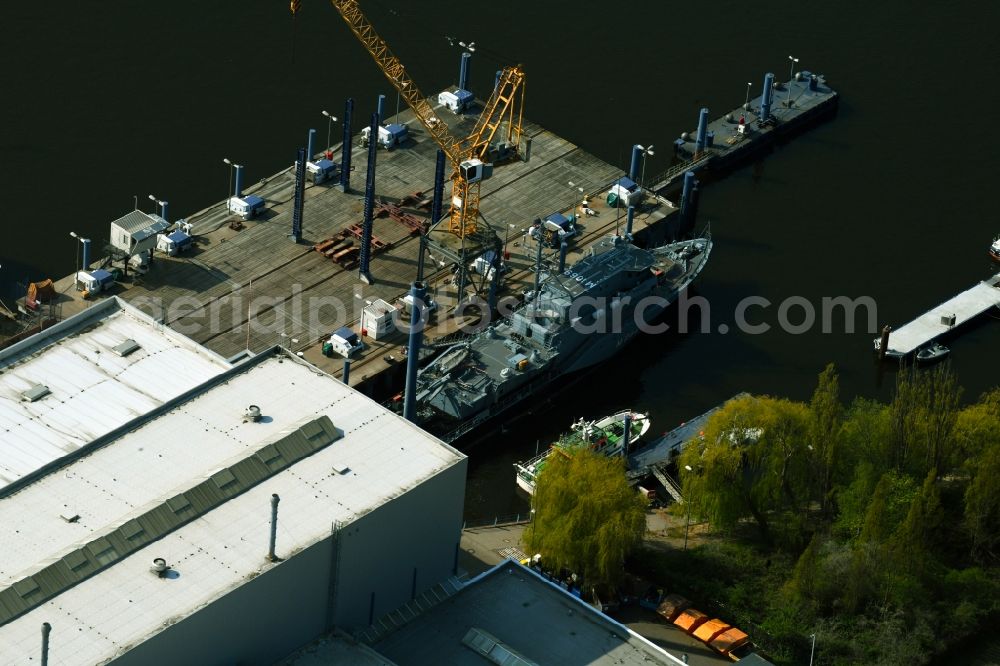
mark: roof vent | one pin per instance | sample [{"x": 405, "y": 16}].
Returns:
[
  {"x": 36, "y": 392},
  {"x": 160, "y": 567},
  {"x": 126, "y": 348},
  {"x": 252, "y": 413}
]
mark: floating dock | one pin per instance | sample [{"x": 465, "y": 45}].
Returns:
[
  {"x": 943, "y": 319},
  {"x": 748, "y": 130}
]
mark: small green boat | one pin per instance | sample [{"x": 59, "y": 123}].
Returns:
[{"x": 603, "y": 436}]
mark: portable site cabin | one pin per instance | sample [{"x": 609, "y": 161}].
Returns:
[
  {"x": 377, "y": 319},
  {"x": 137, "y": 232}
]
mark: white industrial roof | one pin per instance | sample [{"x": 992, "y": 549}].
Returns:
[
  {"x": 92, "y": 389},
  {"x": 124, "y": 604}
]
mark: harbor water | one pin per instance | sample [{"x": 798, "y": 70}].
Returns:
[{"x": 891, "y": 200}]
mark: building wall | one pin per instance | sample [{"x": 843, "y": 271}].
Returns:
[
  {"x": 289, "y": 604},
  {"x": 379, "y": 552}
]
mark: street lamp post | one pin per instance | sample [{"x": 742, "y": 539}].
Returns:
[
  {"x": 329, "y": 126},
  {"x": 229, "y": 191},
  {"x": 506, "y": 237},
  {"x": 791, "y": 73},
  {"x": 76, "y": 275},
  {"x": 157, "y": 202},
  {"x": 687, "y": 523},
  {"x": 579, "y": 189},
  {"x": 812, "y": 650},
  {"x": 647, "y": 151}
]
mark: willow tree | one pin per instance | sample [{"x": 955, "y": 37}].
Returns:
[
  {"x": 752, "y": 459},
  {"x": 587, "y": 517}
]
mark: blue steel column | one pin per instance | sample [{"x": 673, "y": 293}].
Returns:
[
  {"x": 563, "y": 248},
  {"x": 347, "y": 371},
  {"x": 310, "y": 144},
  {"x": 163, "y": 210},
  {"x": 699, "y": 144},
  {"x": 686, "y": 194},
  {"x": 627, "y": 435},
  {"x": 633, "y": 170},
  {"x": 491, "y": 297},
  {"x": 366, "y": 237},
  {"x": 438, "y": 188},
  {"x": 463, "y": 72},
  {"x": 628, "y": 221},
  {"x": 418, "y": 293},
  {"x": 345, "y": 149},
  {"x": 381, "y": 111},
  {"x": 765, "y": 98},
  {"x": 299, "y": 194},
  {"x": 238, "y": 191}
]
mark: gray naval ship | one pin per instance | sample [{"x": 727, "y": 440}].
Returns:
[{"x": 578, "y": 318}]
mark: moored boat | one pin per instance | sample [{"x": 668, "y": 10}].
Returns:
[
  {"x": 932, "y": 352},
  {"x": 995, "y": 249},
  {"x": 604, "y": 437}
]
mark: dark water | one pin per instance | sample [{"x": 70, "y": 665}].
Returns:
[{"x": 892, "y": 199}]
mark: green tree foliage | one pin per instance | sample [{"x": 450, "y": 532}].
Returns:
[
  {"x": 825, "y": 422},
  {"x": 752, "y": 459},
  {"x": 587, "y": 517},
  {"x": 885, "y": 517}
]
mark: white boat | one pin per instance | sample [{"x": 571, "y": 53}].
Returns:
[
  {"x": 932, "y": 352},
  {"x": 995, "y": 249},
  {"x": 604, "y": 436}
]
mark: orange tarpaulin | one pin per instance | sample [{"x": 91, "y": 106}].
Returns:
[
  {"x": 40, "y": 292},
  {"x": 690, "y": 619},
  {"x": 729, "y": 640},
  {"x": 671, "y": 606},
  {"x": 709, "y": 630}
]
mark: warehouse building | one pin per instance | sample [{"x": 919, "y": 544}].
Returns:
[{"x": 254, "y": 509}]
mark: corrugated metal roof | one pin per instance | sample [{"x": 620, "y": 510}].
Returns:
[
  {"x": 136, "y": 220},
  {"x": 160, "y": 473},
  {"x": 160, "y": 520},
  {"x": 92, "y": 388}
]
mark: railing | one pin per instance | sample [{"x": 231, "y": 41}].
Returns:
[{"x": 498, "y": 521}]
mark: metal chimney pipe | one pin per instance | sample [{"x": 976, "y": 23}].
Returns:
[
  {"x": 628, "y": 221},
  {"x": 699, "y": 144},
  {"x": 765, "y": 98},
  {"x": 563, "y": 248},
  {"x": 633, "y": 170},
  {"x": 309, "y": 145},
  {"x": 813, "y": 83},
  {"x": 238, "y": 192},
  {"x": 274, "y": 527},
  {"x": 347, "y": 371},
  {"x": 418, "y": 293},
  {"x": 463, "y": 72},
  {"x": 345, "y": 149},
  {"x": 46, "y": 630},
  {"x": 381, "y": 112}
]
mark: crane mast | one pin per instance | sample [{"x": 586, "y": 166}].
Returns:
[{"x": 500, "y": 109}]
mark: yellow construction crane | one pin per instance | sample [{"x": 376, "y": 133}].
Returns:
[{"x": 505, "y": 107}]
